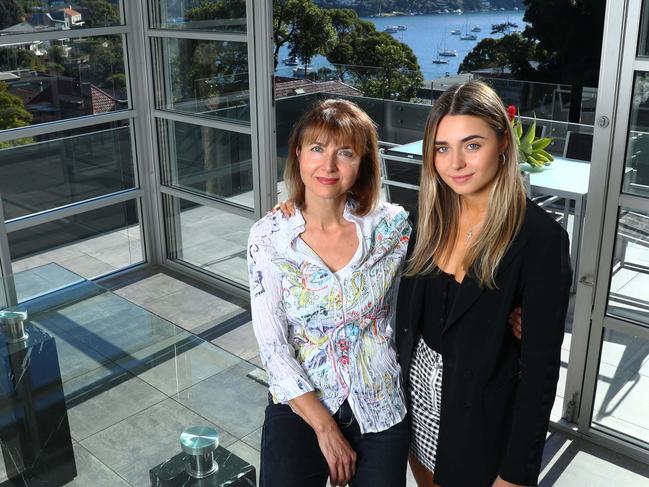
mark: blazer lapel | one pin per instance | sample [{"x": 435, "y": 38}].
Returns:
[{"x": 470, "y": 291}]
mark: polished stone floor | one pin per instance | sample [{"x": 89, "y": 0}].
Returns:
[{"x": 131, "y": 390}]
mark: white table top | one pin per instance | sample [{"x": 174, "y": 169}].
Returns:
[{"x": 564, "y": 177}]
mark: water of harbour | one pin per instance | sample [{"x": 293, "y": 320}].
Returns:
[{"x": 427, "y": 34}]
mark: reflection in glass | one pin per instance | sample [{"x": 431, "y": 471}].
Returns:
[
  {"x": 628, "y": 298},
  {"x": 89, "y": 244},
  {"x": 208, "y": 78},
  {"x": 28, "y": 17},
  {"x": 623, "y": 385},
  {"x": 212, "y": 15},
  {"x": 205, "y": 237},
  {"x": 206, "y": 160},
  {"x": 57, "y": 80},
  {"x": 636, "y": 175},
  {"x": 60, "y": 168}
]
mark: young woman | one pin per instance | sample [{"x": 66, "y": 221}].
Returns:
[
  {"x": 479, "y": 398},
  {"x": 323, "y": 287}
]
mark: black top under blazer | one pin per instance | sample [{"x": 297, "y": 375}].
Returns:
[{"x": 497, "y": 391}]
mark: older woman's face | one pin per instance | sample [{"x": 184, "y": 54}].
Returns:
[
  {"x": 467, "y": 154},
  {"x": 328, "y": 169}
]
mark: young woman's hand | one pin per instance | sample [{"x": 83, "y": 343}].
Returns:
[
  {"x": 503, "y": 483},
  {"x": 286, "y": 207},
  {"x": 515, "y": 321},
  {"x": 340, "y": 456}
]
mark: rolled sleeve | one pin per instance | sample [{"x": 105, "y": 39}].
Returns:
[{"x": 286, "y": 377}]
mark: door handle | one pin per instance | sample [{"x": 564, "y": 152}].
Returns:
[{"x": 587, "y": 279}]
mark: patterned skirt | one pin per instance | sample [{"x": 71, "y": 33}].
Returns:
[{"x": 425, "y": 389}]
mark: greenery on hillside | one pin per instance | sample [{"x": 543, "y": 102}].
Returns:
[
  {"x": 371, "y": 7},
  {"x": 349, "y": 43}
]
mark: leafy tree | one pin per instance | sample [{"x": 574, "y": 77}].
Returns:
[
  {"x": 230, "y": 9},
  {"x": 12, "y": 115},
  {"x": 313, "y": 33},
  {"x": 14, "y": 58},
  {"x": 11, "y": 13},
  {"x": 394, "y": 71},
  {"x": 99, "y": 13},
  {"x": 301, "y": 25},
  {"x": 571, "y": 30},
  {"x": 513, "y": 50}
]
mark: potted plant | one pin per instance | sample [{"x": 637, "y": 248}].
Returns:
[{"x": 531, "y": 149}]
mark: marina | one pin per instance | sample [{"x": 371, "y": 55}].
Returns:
[{"x": 426, "y": 34}]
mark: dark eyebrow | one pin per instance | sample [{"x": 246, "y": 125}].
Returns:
[{"x": 465, "y": 139}]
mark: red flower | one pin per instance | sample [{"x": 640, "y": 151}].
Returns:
[{"x": 511, "y": 112}]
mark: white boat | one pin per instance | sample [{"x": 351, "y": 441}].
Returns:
[
  {"x": 455, "y": 32},
  {"x": 439, "y": 60},
  {"x": 391, "y": 29},
  {"x": 447, "y": 52},
  {"x": 476, "y": 28},
  {"x": 402, "y": 27},
  {"x": 469, "y": 37},
  {"x": 298, "y": 71},
  {"x": 291, "y": 61}
]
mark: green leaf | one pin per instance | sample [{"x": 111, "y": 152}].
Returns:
[
  {"x": 546, "y": 154},
  {"x": 519, "y": 129},
  {"x": 541, "y": 143},
  {"x": 529, "y": 135}
]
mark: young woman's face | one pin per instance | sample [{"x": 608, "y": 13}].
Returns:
[
  {"x": 328, "y": 170},
  {"x": 467, "y": 154}
]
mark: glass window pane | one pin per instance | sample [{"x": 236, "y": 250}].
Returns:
[
  {"x": 28, "y": 17},
  {"x": 211, "y": 239},
  {"x": 208, "y": 161},
  {"x": 636, "y": 175},
  {"x": 628, "y": 298},
  {"x": 623, "y": 385},
  {"x": 89, "y": 244},
  {"x": 57, "y": 80},
  {"x": 208, "y": 78},
  {"x": 60, "y": 168},
  {"x": 212, "y": 15}
]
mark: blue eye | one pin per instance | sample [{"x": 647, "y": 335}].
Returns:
[
  {"x": 442, "y": 149},
  {"x": 473, "y": 146},
  {"x": 346, "y": 153},
  {"x": 316, "y": 148}
]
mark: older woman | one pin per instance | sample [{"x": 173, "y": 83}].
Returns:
[{"x": 323, "y": 286}]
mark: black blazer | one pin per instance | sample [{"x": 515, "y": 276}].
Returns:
[{"x": 497, "y": 392}]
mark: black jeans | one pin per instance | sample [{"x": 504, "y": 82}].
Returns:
[{"x": 291, "y": 457}]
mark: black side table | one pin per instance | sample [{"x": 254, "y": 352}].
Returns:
[
  {"x": 232, "y": 472},
  {"x": 34, "y": 429}
]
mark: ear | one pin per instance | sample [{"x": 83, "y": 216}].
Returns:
[
  {"x": 504, "y": 145},
  {"x": 297, "y": 152}
]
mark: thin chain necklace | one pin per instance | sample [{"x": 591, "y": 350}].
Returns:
[{"x": 469, "y": 234}]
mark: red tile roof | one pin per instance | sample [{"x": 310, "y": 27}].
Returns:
[{"x": 285, "y": 87}]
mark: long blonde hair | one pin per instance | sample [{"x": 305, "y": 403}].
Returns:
[{"x": 439, "y": 205}]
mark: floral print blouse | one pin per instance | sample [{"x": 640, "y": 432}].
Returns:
[{"x": 331, "y": 332}]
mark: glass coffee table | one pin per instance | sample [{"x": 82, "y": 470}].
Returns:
[{"x": 101, "y": 389}]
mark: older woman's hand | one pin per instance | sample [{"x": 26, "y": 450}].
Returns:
[
  {"x": 286, "y": 207},
  {"x": 516, "y": 322},
  {"x": 340, "y": 456}
]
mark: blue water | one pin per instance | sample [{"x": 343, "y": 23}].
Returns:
[{"x": 426, "y": 33}]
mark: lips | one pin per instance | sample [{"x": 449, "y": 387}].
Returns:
[
  {"x": 327, "y": 181},
  {"x": 461, "y": 179}
]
